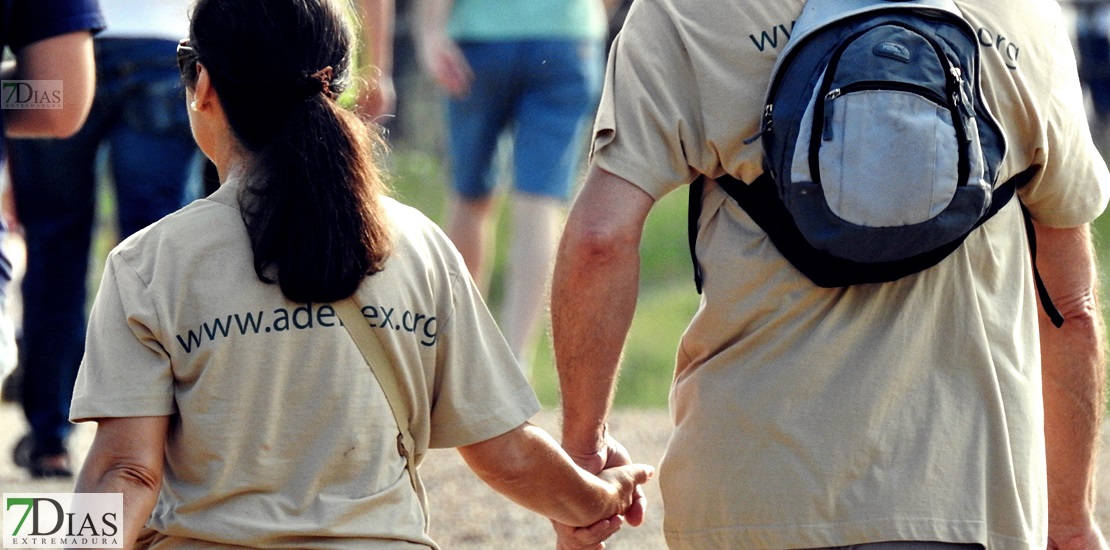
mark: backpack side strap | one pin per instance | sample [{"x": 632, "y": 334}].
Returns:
[
  {"x": 693, "y": 213},
  {"x": 1042, "y": 291}
]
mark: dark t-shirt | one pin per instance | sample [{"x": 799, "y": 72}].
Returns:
[
  {"x": 24, "y": 22},
  {"x": 29, "y": 21}
]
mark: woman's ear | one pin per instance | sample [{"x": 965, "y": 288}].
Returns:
[
  {"x": 207, "y": 119},
  {"x": 203, "y": 94}
]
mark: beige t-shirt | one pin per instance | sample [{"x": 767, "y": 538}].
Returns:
[
  {"x": 281, "y": 436},
  {"x": 809, "y": 417}
]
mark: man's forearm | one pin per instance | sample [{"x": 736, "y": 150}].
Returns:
[
  {"x": 1073, "y": 372},
  {"x": 593, "y": 299}
]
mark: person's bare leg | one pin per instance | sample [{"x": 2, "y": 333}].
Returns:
[
  {"x": 470, "y": 227},
  {"x": 536, "y": 224}
]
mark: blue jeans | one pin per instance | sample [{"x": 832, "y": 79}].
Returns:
[
  {"x": 139, "y": 114},
  {"x": 1094, "y": 67},
  {"x": 544, "y": 91}
]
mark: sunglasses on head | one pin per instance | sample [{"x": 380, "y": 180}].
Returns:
[{"x": 187, "y": 61}]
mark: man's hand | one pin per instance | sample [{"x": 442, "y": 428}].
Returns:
[{"x": 1079, "y": 538}]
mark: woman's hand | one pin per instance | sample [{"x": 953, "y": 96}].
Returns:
[{"x": 612, "y": 454}]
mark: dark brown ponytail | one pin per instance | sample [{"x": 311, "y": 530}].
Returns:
[{"x": 312, "y": 193}]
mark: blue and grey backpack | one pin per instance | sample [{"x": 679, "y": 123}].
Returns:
[{"x": 880, "y": 155}]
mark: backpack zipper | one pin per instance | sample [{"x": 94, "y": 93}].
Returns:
[
  {"x": 874, "y": 85},
  {"x": 764, "y": 125}
]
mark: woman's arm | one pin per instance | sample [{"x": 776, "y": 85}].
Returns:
[
  {"x": 127, "y": 457},
  {"x": 528, "y": 466}
]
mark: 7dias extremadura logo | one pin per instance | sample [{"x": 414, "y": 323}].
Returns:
[
  {"x": 30, "y": 94},
  {"x": 56, "y": 520}
]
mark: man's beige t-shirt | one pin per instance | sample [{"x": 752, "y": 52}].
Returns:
[
  {"x": 281, "y": 436},
  {"x": 809, "y": 417}
]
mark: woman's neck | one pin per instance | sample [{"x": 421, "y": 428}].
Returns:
[{"x": 232, "y": 165}]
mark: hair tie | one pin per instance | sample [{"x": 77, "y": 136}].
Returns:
[{"x": 319, "y": 82}]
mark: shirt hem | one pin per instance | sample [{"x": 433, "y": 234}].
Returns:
[{"x": 850, "y": 533}]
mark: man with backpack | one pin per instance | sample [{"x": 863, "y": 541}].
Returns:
[{"x": 827, "y": 396}]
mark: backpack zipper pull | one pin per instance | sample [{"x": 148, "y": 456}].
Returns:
[
  {"x": 957, "y": 74},
  {"x": 764, "y": 125},
  {"x": 827, "y": 125},
  {"x": 961, "y": 101}
]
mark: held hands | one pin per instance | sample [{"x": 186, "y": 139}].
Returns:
[{"x": 611, "y": 463}]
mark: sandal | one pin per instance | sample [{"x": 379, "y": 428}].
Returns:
[{"x": 26, "y": 456}]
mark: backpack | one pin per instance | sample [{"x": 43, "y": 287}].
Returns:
[{"x": 880, "y": 155}]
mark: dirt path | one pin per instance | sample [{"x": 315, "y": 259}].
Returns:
[{"x": 467, "y": 515}]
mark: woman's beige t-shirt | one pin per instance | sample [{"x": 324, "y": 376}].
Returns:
[
  {"x": 809, "y": 417},
  {"x": 281, "y": 436}
]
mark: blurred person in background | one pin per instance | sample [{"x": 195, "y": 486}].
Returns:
[
  {"x": 49, "y": 40},
  {"x": 138, "y": 115},
  {"x": 1092, "y": 34},
  {"x": 532, "y": 69}
]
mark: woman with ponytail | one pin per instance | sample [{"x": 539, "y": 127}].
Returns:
[{"x": 234, "y": 409}]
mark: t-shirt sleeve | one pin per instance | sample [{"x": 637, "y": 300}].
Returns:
[
  {"x": 125, "y": 371},
  {"x": 480, "y": 391},
  {"x": 1072, "y": 184},
  {"x": 34, "y": 21},
  {"x": 648, "y": 123}
]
